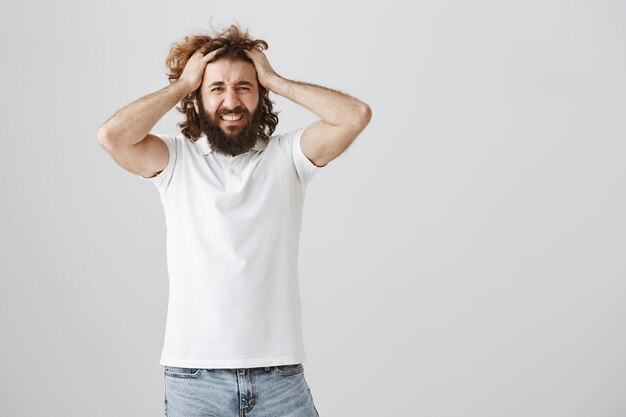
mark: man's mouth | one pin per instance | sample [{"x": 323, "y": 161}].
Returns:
[{"x": 232, "y": 118}]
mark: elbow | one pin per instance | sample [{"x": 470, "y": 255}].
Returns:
[
  {"x": 104, "y": 137},
  {"x": 366, "y": 114},
  {"x": 362, "y": 117}
]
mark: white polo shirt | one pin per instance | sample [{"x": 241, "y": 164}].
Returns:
[{"x": 233, "y": 230}]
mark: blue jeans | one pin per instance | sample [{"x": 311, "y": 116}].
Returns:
[{"x": 272, "y": 391}]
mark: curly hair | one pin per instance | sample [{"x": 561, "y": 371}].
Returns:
[{"x": 234, "y": 40}]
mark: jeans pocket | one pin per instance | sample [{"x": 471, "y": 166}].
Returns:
[
  {"x": 177, "y": 372},
  {"x": 287, "y": 370}
]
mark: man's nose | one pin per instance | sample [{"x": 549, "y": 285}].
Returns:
[{"x": 231, "y": 99}]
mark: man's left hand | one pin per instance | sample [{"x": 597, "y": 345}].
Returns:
[{"x": 264, "y": 70}]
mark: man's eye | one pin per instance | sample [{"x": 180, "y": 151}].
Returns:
[
  {"x": 244, "y": 88},
  {"x": 216, "y": 88}
]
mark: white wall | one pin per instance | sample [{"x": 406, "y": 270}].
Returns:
[{"x": 464, "y": 257}]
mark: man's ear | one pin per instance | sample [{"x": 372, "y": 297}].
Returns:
[{"x": 195, "y": 105}]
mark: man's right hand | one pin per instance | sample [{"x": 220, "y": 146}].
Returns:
[{"x": 193, "y": 73}]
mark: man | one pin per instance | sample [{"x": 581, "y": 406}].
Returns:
[{"x": 233, "y": 197}]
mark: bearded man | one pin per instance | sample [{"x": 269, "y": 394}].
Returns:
[{"x": 233, "y": 195}]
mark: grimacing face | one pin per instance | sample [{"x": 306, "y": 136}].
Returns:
[
  {"x": 229, "y": 108},
  {"x": 230, "y": 94}
]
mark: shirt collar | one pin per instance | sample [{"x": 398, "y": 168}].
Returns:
[{"x": 202, "y": 144}]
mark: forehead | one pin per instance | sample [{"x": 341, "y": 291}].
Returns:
[{"x": 229, "y": 71}]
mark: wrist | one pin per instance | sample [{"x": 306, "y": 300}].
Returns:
[
  {"x": 276, "y": 84},
  {"x": 182, "y": 87}
]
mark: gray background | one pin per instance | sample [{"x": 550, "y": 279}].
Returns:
[{"x": 464, "y": 257}]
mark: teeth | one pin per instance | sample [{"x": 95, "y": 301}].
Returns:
[{"x": 232, "y": 118}]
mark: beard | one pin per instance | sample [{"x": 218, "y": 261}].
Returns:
[{"x": 230, "y": 144}]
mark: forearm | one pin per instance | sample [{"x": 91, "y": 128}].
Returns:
[
  {"x": 331, "y": 106},
  {"x": 131, "y": 124}
]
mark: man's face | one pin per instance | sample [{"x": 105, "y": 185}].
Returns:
[{"x": 228, "y": 108}]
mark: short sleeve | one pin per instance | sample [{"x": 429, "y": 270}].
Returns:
[
  {"x": 163, "y": 178},
  {"x": 305, "y": 168}
]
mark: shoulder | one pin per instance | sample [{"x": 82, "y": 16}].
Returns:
[
  {"x": 184, "y": 145},
  {"x": 289, "y": 144},
  {"x": 286, "y": 140}
]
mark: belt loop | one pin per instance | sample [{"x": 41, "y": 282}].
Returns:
[{"x": 267, "y": 368}]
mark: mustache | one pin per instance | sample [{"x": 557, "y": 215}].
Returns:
[{"x": 236, "y": 110}]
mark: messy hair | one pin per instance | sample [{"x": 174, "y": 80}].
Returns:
[{"x": 234, "y": 40}]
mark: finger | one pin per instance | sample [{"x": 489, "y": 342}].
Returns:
[
  {"x": 251, "y": 52},
  {"x": 201, "y": 49},
  {"x": 212, "y": 53}
]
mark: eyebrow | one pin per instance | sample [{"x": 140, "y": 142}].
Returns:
[{"x": 248, "y": 83}]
